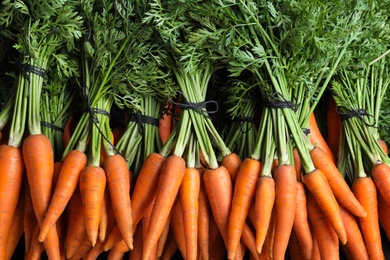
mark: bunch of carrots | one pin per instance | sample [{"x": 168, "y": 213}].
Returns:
[{"x": 194, "y": 129}]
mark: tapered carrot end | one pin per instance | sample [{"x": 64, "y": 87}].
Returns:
[
  {"x": 129, "y": 243},
  {"x": 231, "y": 255},
  {"x": 93, "y": 237},
  {"x": 42, "y": 235},
  {"x": 259, "y": 249}
]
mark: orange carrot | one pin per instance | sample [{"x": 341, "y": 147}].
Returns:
[
  {"x": 294, "y": 249},
  {"x": 177, "y": 225},
  {"x": 11, "y": 179},
  {"x": 164, "y": 236},
  {"x": 232, "y": 163},
  {"x": 301, "y": 224},
  {"x": 106, "y": 203},
  {"x": 384, "y": 147},
  {"x": 267, "y": 249},
  {"x": 114, "y": 237},
  {"x": 145, "y": 186},
  {"x": 244, "y": 192},
  {"x": 218, "y": 249},
  {"x": 74, "y": 162},
  {"x": 264, "y": 203},
  {"x": 83, "y": 249},
  {"x": 36, "y": 248},
  {"x": 170, "y": 249},
  {"x": 317, "y": 138},
  {"x": 203, "y": 221},
  {"x": 365, "y": 191},
  {"x": 171, "y": 176},
  {"x": 68, "y": 130},
  {"x": 326, "y": 237},
  {"x": 384, "y": 214},
  {"x": 315, "y": 254},
  {"x": 94, "y": 252},
  {"x": 355, "y": 243},
  {"x": 165, "y": 123},
  {"x": 380, "y": 173},
  {"x": 119, "y": 185},
  {"x": 318, "y": 186},
  {"x": 29, "y": 219},
  {"x": 189, "y": 194},
  {"x": 16, "y": 230},
  {"x": 92, "y": 184},
  {"x": 136, "y": 253},
  {"x": 297, "y": 163},
  {"x": 285, "y": 205},
  {"x": 249, "y": 240},
  {"x": 339, "y": 187},
  {"x": 219, "y": 190},
  {"x": 334, "y": 125},
  {"x": 118, "y": 251}
]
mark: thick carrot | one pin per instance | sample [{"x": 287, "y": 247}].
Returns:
[
  {"x": 203, "y": 221},
  {"x": 177, "y": 225},
  {"x": 106, "y": 203},
  {"x": 301, "y": 225},
  {"x": 118, "y": 181},
  {"x": 75, "y": 229},
  {"x": 189, "y": 194},
  {"x": 337, "y": 183},
  {"x": 74, "y": 162},
  {"x": 171, "y": 176},
  {"x": 145, "y": 186},
  {"x": 16, "y": 231},
  {"x": 334, "y": 126},
  {"x": 327, "y": 240},
  {"x": 384, "y": 147},
  {"x": 318, "y": 186},
  {"x": 317, "y": 138},
  {"x": 232, "y": 163},
  {"x": 244, "y": 192},
  {"x": 11, "y": 179},
  {"x": 365, "y": 191},
  {"x": 92, "y": 184},
  {"x": 384, "y": 214},
  {"x": 219, "y": 190},
  {"x": 380, "y": 173},
  {"x": 285, "y": 205},
  {"x": 355, "y": 243},
  {"x": 264, "y": 203}
]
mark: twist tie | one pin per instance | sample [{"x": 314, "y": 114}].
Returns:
[
  {"x": 143, "y": 119},
  {"x": 52, "y": 126},
  {"x": 359, "y": 113},
  {"x": 200, "y": 107},
  {"x": 242, "y": 120},
  {"x": 28, "y": 68},
  {"x": 306, "y": 131},
  {"x": 277, "y": 100}
]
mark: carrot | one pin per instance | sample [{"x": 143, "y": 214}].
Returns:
[
  {"x": 301, "y": 225},
  {"x": 171, "y": 176},
  {"x": 178, "y": 230},
  {"x": 218, "y": 249},
  {"x": 326, "y": 237},
  {"x": 384, "y": 214},
  {"x": 380, "y": 173},
  {"x": 11, "y": 179},
  {"x": 264, "y": 203},
  {"x": 74, "y": 162},
  {"x": 136, "y": 253},
  {"x": 36, "y": 248},
  {"x": 297, "y": 163},
  {"x": 244, "y": 192},
  {"x": 68, "y": 130},
  {"x": 145, "y": 186},
  {"x": 119, "y": 185},
  {"x": 317, "y": 138},
  {"x": 83, "y": 249},
  {"x": 249, "y": 240},
  {"x": 355, "y": 243},
  {"x": 189, "y": 194},
  {"x": 319, "y": 188},
  {"x": 203, "y": 221},
  {"x": 294, "y": 249},
  {"x": 114, "y": 237},
  {"x": 365, "y": 191},
  {"x": 92, "y": 184},
  {"x": 219, "y": 190},
  {"x": 106, "y": 203},
  {"x": 285, "y": 205},
  {"x": 170, "y": 249},
  {"x": 315, "y": 254},
  {"x": 165, "y": 123},
  {"x": 94, "y": 252},
  {"x": 75, "y": 229},
  {"x": 334, "y": 125},
  {"x": 117, "y": 133},
  {"x": 16, "y": 230},
  {"x": 232, "y": 163},
  {"x": 145, "y": 223},
  {"x": 339, "y": 187},
  {"x": 118, "y": 251},
  {"x": 29, "y": 219},
  {"x": 164, "y": 236},
  {"x": 384, "y": 147},
  {"x": 267, "y": 249}
]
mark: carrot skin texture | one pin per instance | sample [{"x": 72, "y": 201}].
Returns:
[
  {"x": 365, "y": 191},
  {"x": 319, "y": 188},
  {"x": 232, "y": 163},
  {"x": 264, "y": 203},
  {"x": 355, "y": 243},
  {"x": 74, "y": 162},
  {"x": 177, "y": 225},
  {"x": 119, "y": 185},
  {"x": 92, "y": 184},
  {"x": 171, "y": 176},
  {"x": 189, "y": 194},
  {"x": 339, "y": 187},
  {"x": 384, "y": 214},
  {"x": 380, "y": 173},
  {"x": 243, "y": 194},
  {"x": 285, "y": 205},
  {"x": 203, "y": 221},
  {"x": 326, "y": 238},
  {"x": 301, "y": 225},
  {"x": 11, "y": 179}
]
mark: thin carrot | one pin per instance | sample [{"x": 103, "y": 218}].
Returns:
[
  {"x": 16, "y": 230},
  {"x": 384, "y": 147},
  {"x": 301, "y": 225},
  {"x": 355, "y": 243},
  {"x": 244, "y": 192},
  {"x": 72, "y": 165},
  {"x": 106, "y": 203},
  {"x": 170, "y": 249},
  {"x": 189, "y": 194},
  {"x": 165, "y": 123},
  {"x": 334, "y": 125},
  {"x": 36, "y": 248},
  {"x": 92, "y": 184},
  {"x": 317, "y": 138},
  {"x": 297, "y": 163},
  {"x": 318, "y": 186},
  {"x": 114, "y": 237},
  {"x": 218, "y": 249},
  {"x": 365, "y": 191},
  {"x": 177, "y": 225},
  {"x": 249, "y": 240},
  {"x": 118, "y": 180},
  {"x": 118, "y": 251},
  {"x": 294, "y": 248},
  {"x": 11, "y": 179},
  {"x": 94, "y": 252},
  {"x": 203, "y": 221},
  {"x": 380, "y": 173},
  {"x": 267, "y": 249},
  {"x": 232, "y": 163},
  {"x": 264, "y": 203},
  {"x": 315, "y": 254},
  {"x": 83, "y": 249},
  {"x": 29, "y": 219},
  {"x": 136, "y": 253},
  {"x": 68, "y": 130},
  {"x": 171, "y": 176},
  {"x": 285, "y": 205},
  {"x": 164, "y": 236},
  {"x": 384, "y": 214},
  {"x": 327, "y": 240},
  {"x": 339, "y": 187}
]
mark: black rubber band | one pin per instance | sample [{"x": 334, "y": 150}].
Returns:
[
  {"x": 52, "y": 126},
  {"x": 277, "y": 100},
  {"x": 359, "y": 113},
  {"x": 28, "y": 68},
  {"x": 243, "y": 120},
  {"x": 143, "y": 119},
  {"x": 200, "y": 107},
  {"x": 306, "y": 131}
]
